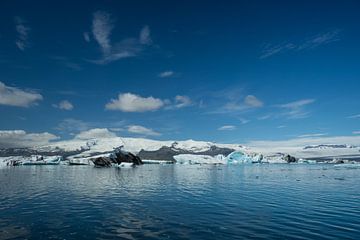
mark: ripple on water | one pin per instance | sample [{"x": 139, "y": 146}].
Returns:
[{"x": 180, "y": 202}]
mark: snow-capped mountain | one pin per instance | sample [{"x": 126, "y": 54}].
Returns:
[{"x": 329, "y": 146}]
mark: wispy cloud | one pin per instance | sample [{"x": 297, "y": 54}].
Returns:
[
  {"x": 252, "y": 101},
  {"x": 264, "y": 117},
  {"x": 296, "y": 109},
  {"x": 12, "y": 96},
  {"x": 86, "y": 36},
  {"x": 166, "y": 74},
  {"x": 97, "y": 133},
  {"x": 64, "y": 105},
  {"x": 67, "y": 62},
  {"x": 244, "y": 120},
  {"x": 354, "y": 116},
  {"x": 102, "y": 26},
  {"x": 22, "y": 33},
  {"x": 137, "y": 129},
  {"x": 227, "y": 128},
  {"x": 182, "y": 101},
  {"x": 312, "y": 135},
  {"x": 145, "y": 37},
  {"x": 238, "y": 104},
  {"x": 311, "y": 43},
  {"x": 70, "y": 125},
  {"x": 356, "y": 132}
]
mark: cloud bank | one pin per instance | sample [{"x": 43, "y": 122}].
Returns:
[{"x": 20, "y": 138}]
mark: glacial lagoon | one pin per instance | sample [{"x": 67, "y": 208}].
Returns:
[{"x": 256, "y": 201}]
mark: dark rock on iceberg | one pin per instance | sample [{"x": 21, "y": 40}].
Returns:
[
  {"x": 290, "y": 159},
  {"x": 102, "y": 162},
  {"x": 121, "y": 156},
  {"x": 117, "y": 157}
]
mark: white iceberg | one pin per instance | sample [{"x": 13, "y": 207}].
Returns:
[{"x": 199, "y": 159}]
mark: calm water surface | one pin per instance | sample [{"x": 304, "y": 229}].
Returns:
[{"x": 180, "y": 202}]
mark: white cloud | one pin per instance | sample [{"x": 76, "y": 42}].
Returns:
[
  {"x": 12, "y": 96},
  {"x": 312, "y": 42},
  {"x": 64, "y": 105},
  {"x": 182, "y": 101},
  {"x": 95, "y": 133},
  {"x": 128, "y": 102},
  {"x": 19, "y": 138},
  {"x": 312, "y": 135},
  {"x": 144, "y": 37},
  {"x": 166, "y": 74},
  {"x": 253, "y": 101},
  {"x": 227, "y": 128},
  {"x": 356, "y": 132},
  {"x": 22, "y": 33},
  {"x": 86, "y": 36},
  {"x": 102, "y": 26},
  {"x": 142, "y": 130},
  {"x": 295, "y": 110}
]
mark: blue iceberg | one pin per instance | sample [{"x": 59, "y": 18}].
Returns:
[{"x": 241, "y": 157}]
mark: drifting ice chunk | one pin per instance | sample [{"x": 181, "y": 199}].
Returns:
[
  {"x": 124, "y": 165},
  {"x": 199, "y": 159},
  {"x": 348, "y": 165},
  {"x": 307, "y": 161}
]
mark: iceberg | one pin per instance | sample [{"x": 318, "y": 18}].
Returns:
[
  {"x": 241, "y": 157},
  {"x": 79, "y": 161},
  {"x": 308, "y": 161},
  {"x": 41, "y": 160},
  {"x": 236, "y": 157},
  {"x": 199, "y": 159},
  {"x": 32, "y": 160}
]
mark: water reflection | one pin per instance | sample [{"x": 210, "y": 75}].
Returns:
[{"x": 180, "y": 202}]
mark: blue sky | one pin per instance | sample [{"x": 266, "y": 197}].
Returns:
[{"x": 230, "y": 71}]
